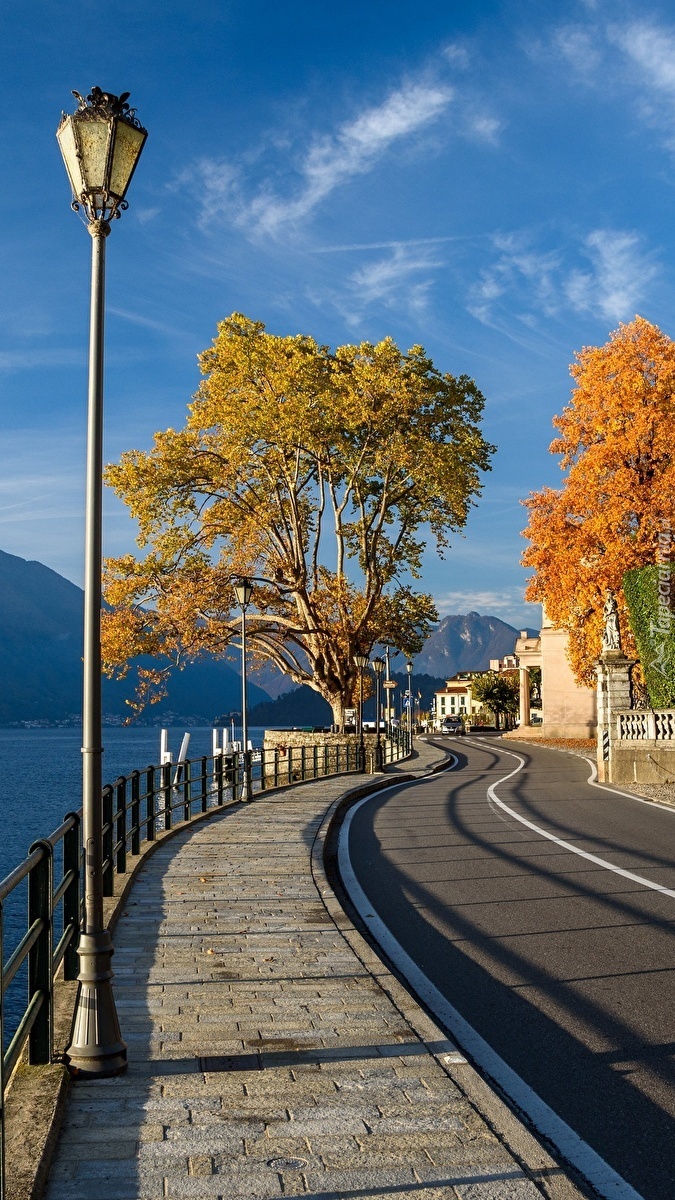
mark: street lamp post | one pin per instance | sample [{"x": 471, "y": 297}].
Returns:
[
  {"x": 101, "y": 143},
  {"x": 378, "y": 667},
  {"x": 361, "y": 661},
  {"x": 409, "y": 696},
  {"x": 243, "y": 591}
]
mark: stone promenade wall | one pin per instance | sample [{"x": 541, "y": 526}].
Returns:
[
  {"x": 296, "y": 747},
  {"x": 642, "y": 762}
]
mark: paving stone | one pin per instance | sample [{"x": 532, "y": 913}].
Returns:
[{"x": 225, "y": 951}]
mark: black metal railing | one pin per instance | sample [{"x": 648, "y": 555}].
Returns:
[{"x": 136, "y": 808}]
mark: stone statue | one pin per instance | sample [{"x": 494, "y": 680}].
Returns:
[{"x": 611, "y": 634}]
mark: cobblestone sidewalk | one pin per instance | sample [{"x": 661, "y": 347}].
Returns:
[{"x": 265, "y": 1059}]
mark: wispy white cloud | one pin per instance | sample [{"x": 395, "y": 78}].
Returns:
[
  {"x": 619, "y": 279},
  {"x": 390, "y": 245},
  {"x": 612, "y": 281},
  {"x": 135, "y": 318},
  {"x": 487, "y": 602},
  {"x": 582, "y": 47},
  {"x": 332, "y": 160},
  {"x": 30, "y": 360},
  {"x": 633, "y": 59},
  {"x": 484, "y": 128},
  {"x": 517, "y": 264},
  {"x": 353, "y": 150},
  {"x": 456, "y": 54},
  {"x": 652, "y": 48},
  {"x": 383, "y": 278}
]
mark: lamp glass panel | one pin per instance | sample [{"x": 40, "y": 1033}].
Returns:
[
  {"x": 66, "y": 139},
  {"x": 93, "y": 136},
  {"x": 126, "y": 151},
  {"x": 243, "y": 592}
]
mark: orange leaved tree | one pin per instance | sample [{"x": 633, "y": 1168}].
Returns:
[{"x": 617, "y": 438}]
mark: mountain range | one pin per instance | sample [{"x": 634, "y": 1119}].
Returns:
[
  {"x": 41, "y": 665},
  {"x": 41, "y": 668}
]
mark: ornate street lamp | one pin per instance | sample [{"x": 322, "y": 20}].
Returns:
[
  {"x": 378, "y": 666},
  {"x": 243, "y": 590},
  {"x": 101, "y": 143},
  {"x": 409, "y": 697},
  {"x": 361, "y": 661}
]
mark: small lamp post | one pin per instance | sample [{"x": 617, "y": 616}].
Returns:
[
  {"x": 101, "y": 143},
  {"x": 361, "y": 661},
  {"x": 378, "y": 665},
  {"x": 409, "y": 697},
  {"x": 243, "y": 590}
]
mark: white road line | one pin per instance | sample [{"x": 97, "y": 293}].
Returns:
[
  {"x": 552, "y": 837},
  {"x": 599, "y": 1174}
]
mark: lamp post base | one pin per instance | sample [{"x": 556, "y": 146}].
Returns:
[{"x": 96, "y": 1049}]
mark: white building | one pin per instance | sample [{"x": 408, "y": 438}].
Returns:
[{"x": 455, "y": 699}]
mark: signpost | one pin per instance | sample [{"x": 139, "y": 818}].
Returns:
[{"x": 390, "y": 709}]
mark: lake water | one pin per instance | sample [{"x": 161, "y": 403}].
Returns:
[{"x": 41, "y": 781}]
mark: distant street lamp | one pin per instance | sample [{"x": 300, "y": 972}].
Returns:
[
  {"x": 378, "y": 667},
  {"x": 243, "y": 590},
  {"x": 409, "y": 697},
  {"x": 101, "y": 143},
  {"x": 361, "y": 661}
]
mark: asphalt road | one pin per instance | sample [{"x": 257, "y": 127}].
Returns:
[{"x": 566, "y": 968}]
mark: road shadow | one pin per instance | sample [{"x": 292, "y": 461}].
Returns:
[{"x": 415, "y": 850}]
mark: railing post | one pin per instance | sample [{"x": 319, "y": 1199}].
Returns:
[
  {"x": 204, "y": 790},
  {"x": 40, "y": 892},
  {"x": 187, "y": 790},
  {"x": 150, "y": 804},
  {"x": 315, "y": 760},
  {"x": 135, "y": 812},
  {"x": 218, "y": 772},
  {"x": 290, "y": 764},
  {"x": 248, "y": 774},
  {"x": 108, "y": 863},
  {"x": 276, "y": 766},
  {"x": 2, "y": 1066},
  {"x": 121, "y": 824},
  {"x": 71, "y": 896},
  {"x": 325, "y": 758},
  {"x": 262, "y": 769},
  {"x": 303, "y": 760},
  {"x": 166, "y": 794},
  {"x": 229, "y": 776}
]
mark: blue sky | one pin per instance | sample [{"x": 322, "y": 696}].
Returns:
[{"x": 493, "y": 180}]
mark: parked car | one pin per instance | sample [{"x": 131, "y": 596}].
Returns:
[{"x": 453, "y": 725}]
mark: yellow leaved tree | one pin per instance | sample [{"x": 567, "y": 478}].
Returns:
[{"x": 312, "y": 472}]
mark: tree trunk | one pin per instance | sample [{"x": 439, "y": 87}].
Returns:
[{"x": 338, "y": 706}]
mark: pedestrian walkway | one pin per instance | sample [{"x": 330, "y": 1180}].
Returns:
[{"x": 267, "y": 1057}]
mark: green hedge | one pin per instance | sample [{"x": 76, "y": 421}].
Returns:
[{"x": 653, "y": 625}]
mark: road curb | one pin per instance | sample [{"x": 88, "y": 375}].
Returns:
[{"x": 553, "y": 1178}]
